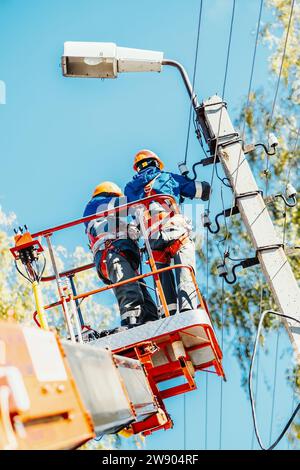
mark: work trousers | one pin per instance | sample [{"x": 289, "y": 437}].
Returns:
[
  {"x": 177, "y": 284},
  {"x": 135, "y": 303}
]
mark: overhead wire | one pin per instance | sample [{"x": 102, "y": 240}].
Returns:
[
  {"x": 278, "y": 332},
  {"x": 247, "y": 103},
  {"x": 266, "y": 193},
  {"x": 250, "y": 385},
  {"x": 221, "y": 384},
  {"x": 288, "y": 180},
  {"x": 212, "y": 179},
  {"x": 277, "y": 86},
  {"x": 255, "y": 395},
  {"x": 206, "y": 377},
  {"x": 274, "y": 387},
  {"x": 193, "y": 81},
  {"x": 266, "y": 172},
  {"x": 292, "y": 154},
  {"x": 292, "y": 407},
  {"x": 223, "y": 94},
  {"x": 211, "y": 185},
  {"x": 257, "y": 368},
  {"x": 186, "y": 153},
  {"x": 233, "y": 200}
]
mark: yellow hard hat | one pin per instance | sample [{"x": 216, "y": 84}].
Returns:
[
  {"x": 144, "y": 155},
  {"x": 107, "y": 187}
]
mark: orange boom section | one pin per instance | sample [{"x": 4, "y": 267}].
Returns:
[{"x": 40, "y": 407}]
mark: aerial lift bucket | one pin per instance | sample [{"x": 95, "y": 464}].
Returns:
[{"x": 169, "y": 348}]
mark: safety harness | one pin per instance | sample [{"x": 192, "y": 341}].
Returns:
[
  {"x": 166, "y": 254},
  {"x": 153, "y": 221},
  {"x": 109, "y": 246},
  {"x": 148, "y": 189}
]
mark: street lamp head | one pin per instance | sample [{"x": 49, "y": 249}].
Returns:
[{"x": 106, "y": 60}]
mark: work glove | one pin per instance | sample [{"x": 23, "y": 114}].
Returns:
[{"x": 133, "y": 231}]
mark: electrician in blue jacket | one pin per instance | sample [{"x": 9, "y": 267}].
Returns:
[
  {"x": 114, "y": 244},
  {"x": 170, "y": 237}
]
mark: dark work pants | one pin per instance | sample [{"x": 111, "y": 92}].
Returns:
[
  {"x": 177, "y": 284},
  {"x": 133, "y": 298}
]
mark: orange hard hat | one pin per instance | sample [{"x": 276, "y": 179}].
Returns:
[
  {"x": 145, "y": 155},
  {"x": 108, "y": 187}
]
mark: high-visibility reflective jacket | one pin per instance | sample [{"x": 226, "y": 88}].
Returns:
[
  {"x": 112, "y": 228},
  {"x": 164, "y": 183}
]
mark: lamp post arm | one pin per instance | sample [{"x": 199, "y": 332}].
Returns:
[{"x": 185, "y": 77}]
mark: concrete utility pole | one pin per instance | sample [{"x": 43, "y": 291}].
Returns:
[{"x": 219, "y": 132}]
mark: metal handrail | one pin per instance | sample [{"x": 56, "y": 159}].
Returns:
[
  {"x": 64, "y": 299},
  {"x": 129, "y": 281},
  {"x": 70, "y": 272},
  {"x": 146, "y": 201}
]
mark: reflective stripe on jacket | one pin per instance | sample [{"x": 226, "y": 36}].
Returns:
[
  {"x": 164, "y": 183},
  {"x": 110, "y": 228}
]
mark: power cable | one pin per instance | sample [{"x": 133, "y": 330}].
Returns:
[
  {"x": 292, "y": 154},
  {"x": 253, "y": 62},
  {"x": 225, "y": 221},
  {"x": 256, "y": 392},
  {"x": 278, "y": 335},
  {"x": 211, "y": 184},
  {"x": 250, "y": 385},
  {"x": 223, "y": 94},
  {"x": 206, "y": 410},
  {"x": 257, "y": 368},
  {"x": 266, "y": 192},
  {"x": 288, "y": 180},
  {"x": 39, "y": 273},
  {"x": 221, "y": 390},
  {"x": 293, "y": 404},
  {"x": 186, "y": 155},
  {"x": 266, "y": 171},
  {"x": 184, "y": 423},
  {"x": 278, "y": 83},
  {"x": 206, "y": 378},
  {"x": 274, "y": 386},
  {"x": 248, "y": 98},
  {"x": 193, "y": 82}
]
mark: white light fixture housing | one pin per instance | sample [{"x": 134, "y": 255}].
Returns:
[{"x": 106, "y": 60}]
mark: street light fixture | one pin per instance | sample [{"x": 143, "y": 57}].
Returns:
[{"x": 107, "y": 60}]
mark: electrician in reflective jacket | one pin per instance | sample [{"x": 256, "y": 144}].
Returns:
[
  {"x": 170, "y": 237},
  {"x": 114, "y": 243}
]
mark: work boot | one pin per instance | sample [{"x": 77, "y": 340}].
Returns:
[
  {"x": 118, "y": 329},
  {"x": 131, "y": 317}
]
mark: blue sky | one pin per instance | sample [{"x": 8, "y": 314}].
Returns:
[{"x": 60, "y": 137}]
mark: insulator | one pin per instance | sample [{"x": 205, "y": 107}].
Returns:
[
  {"x": 184, "y": 171},
  {"x": 222, "y": 270},
  {"x": 290, "y": 191},
  {"x": 206, "y": 220},
  {"x": 273, "y": 141}
]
